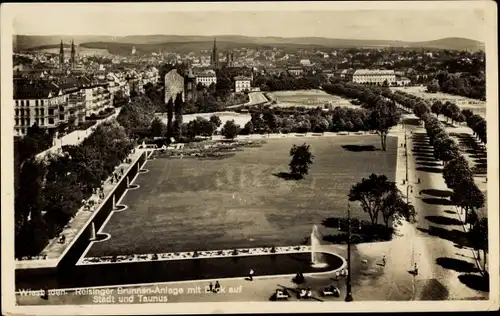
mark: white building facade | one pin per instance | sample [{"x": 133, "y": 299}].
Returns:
[
  {"x": 367, "y": 76},
  {"x": 242, "y": 83},
  {"x": 206, "y": 78}
]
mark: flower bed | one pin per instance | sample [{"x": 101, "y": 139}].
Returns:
[{"x": 196, "y": 254}]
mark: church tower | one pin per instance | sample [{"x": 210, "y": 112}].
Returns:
[
  {"x": 73, "y": 53},
  {"x": 61, "y": 55},
  {"x": 229, "y": 59},
  {"x": 190, "y": 86},
  {"x": 215, "y": 56}
]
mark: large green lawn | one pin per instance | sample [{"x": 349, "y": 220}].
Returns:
[{"x": 193, "y": 204}]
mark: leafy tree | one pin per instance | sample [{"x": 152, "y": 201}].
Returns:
[
  {"x": 479, "y": 237},
  {"x": 437, "y": 108},
  {"x": 170, "y": 116},
  {"x": 216, "y": 120},
  {"x": 456, "y": 170},
  {"x": 371, "y": 192},
  {"x": 248, "y": 128},
  {"x": 467, "y": 196},
  {"x": 230, "y": 129},
  {"x": 382, "y": 117},
  {"x": 28, "y": 198},
  {"x": 446, "y": 149},
  {"x": 178, "y": 108},
  {"x": 395, "y": 208},
  {"x": 433, "y": 87},
  {"x": 302, "y": 158},
  {"x": 158, "y": 128},
  {"x": 137, "y": 115}
]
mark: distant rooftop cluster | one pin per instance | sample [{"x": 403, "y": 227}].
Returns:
[{"x": 374, "y": 72}]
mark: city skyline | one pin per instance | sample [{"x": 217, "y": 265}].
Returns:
[{"x": 380, "y": 24}]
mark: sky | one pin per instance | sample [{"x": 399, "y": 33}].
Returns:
[{"x": 333, "y": 20}]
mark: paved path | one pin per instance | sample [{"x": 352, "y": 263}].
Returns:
[
  {"x": 254, "y": 98},
  {"x": 439, "y": 257},
  {"x": 76, "y": 137},
  {"x": 54, "y": 249}
]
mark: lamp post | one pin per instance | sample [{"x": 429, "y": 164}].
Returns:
[
  {"x": 348, "y": 295},
  {"x": 406, "y": 153}
]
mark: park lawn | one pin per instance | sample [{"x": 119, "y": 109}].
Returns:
[
  {"x": 309, "y": 98},
  {"x": 191, "y": 204}
]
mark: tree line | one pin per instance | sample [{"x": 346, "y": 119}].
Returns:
[
  {"x": 456, "y": 172},
  {"x": 464, "y": 84},
  {"x": 51, "y": 190}
]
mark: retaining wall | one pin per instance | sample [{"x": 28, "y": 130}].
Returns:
[{"x": 24, "y": 277}]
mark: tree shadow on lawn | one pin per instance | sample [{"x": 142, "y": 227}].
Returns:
[
  {"x": 456, "y": 265},
  {"x": 443, "y": 220},
  {"x": 411, "y": 121},
  {"x": 450, "y": 212},
  {"x": 422, "y": 150},
  {"x": 438, "y": 193},
  {"x": 287, "y": 176},
  {"x": 456, "y": 236},
  {"x": 361, "y": 231},
  {"x": 422, "y": 146},
  {"x": 481, "y": 161},
  {"x": 433, "y": 290},
  {"x": 429, "y": 164},
  {"x": 424, "y": 155},
  {"x": 476, "y": 282},
  {"x": 357, "y": 148},
  {"x": 429, "y": 169},
  {"x": 476, "y": 153},
  {"x": 436, "y": 201},
  {"x": 426, "y": 159}
]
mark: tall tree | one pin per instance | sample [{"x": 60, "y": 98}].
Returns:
[
  {"x": 370, "y": 192},
  {"x": 170, "y": 117},
  {"x": 383, "y": 116},
  {"x": 158, "y": 128},
  {"x": 395, "y": 208},
  {"x": 178, "y": 108},
  {"x": 468, "y": 196},
  {"x": 479, "y": 237},
  {"x": 302, "y": 159},
  {"x": 456, "y": 170}
]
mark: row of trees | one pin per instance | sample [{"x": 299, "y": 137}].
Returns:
[
  {"x": 449, "y": 110},
  {"x": 281, "y": 83},
  {"x": 50, "y": 191},
  {"x": 383, "y": 112},
  {"x": 477, "y": 124},
  {"x": 456, "y": 172}
]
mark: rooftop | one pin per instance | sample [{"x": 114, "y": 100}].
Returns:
[
  {"x": 242, "y": 78},
  {"x": 34, "y": 89},
  {"x": 373, "y": 72}
]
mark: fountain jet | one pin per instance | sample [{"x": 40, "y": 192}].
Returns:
[{"x": 317, "y": 259}]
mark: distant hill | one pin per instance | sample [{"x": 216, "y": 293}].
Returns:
[
  {"x": 457, "y": 43},
  {"x": 179, "y": 43}
]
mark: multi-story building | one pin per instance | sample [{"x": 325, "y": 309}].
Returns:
[
  {"x": 41, "y": 102},
  {"x": 242, "y": 83},
  {"x": 296, "y": 71},
  {"x": 206, "y": 78},
  {"x": 98, "y": 97},
  {"x": 367, "y": 76}
]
